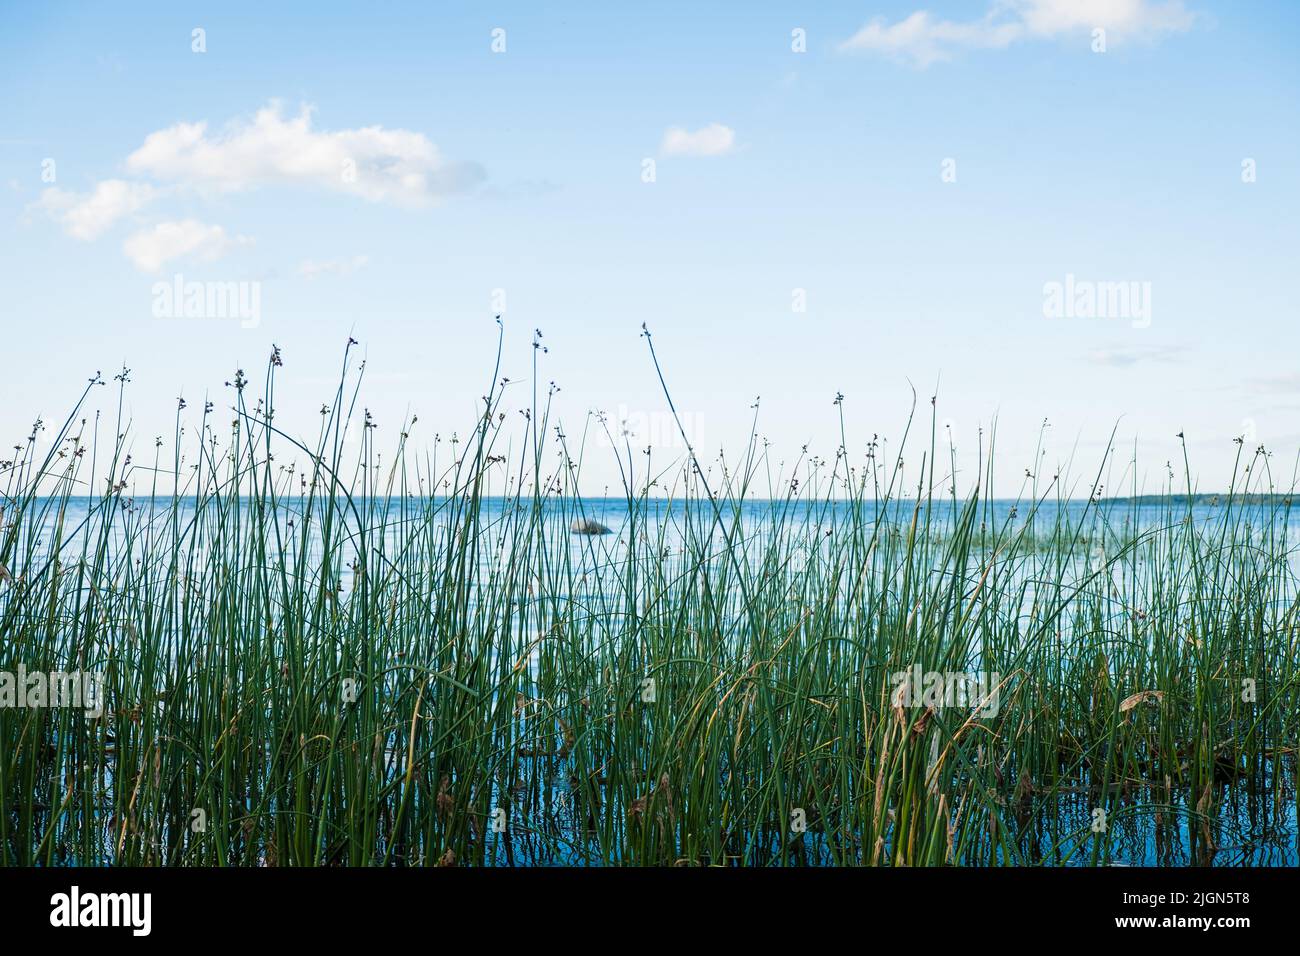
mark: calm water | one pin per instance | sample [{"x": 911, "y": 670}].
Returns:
[{"x": 1256, "y": 825}]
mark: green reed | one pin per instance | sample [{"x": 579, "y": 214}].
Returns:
[{"x": 318, "y": 652}]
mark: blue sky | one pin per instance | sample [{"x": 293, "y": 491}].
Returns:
[{"x": 523, "y": 171}]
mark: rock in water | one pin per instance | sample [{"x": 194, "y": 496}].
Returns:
[{"x": 587, "y": 526}]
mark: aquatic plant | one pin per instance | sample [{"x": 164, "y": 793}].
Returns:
[{"x": 310, "y": 654}]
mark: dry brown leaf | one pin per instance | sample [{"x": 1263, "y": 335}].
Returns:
[
  {"x": 897, "y": 698},
  {"x": 446, "y": 803},
  {"x": 1206, "y": 803},
  {"x": 1128, "y": 703},
  {"x": 918, "y": 728}
]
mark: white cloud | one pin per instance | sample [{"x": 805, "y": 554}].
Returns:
[
  {"x": 382, "y": 165},
  {"x": 88, "y": 216},
  {"x": 313, "y": 269},
  {"x": 712, "y": 140},
  {"x": 923, "y": 39},
  {"x": 151, "y": 248},
  {"x": 1124, "y": 356},
  {"x": 1128, "y": 18}
]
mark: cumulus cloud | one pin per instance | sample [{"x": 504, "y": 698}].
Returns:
[
  {"x": 150, "y": 249},
  {"x": 1126, "y": 17},
  {"x": 87, "y": 216},
  {"x": 922, "y": 38},
  {"x": 313, "y": 269},
  {"x": 712, "y": 140},
  {"x": 378, "y": 164},
  {"x": 191, "y": 161}
]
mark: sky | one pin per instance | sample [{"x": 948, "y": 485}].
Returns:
[{"x": 1082, "y": 213}]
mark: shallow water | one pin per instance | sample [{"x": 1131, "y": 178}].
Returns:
[{"x": 1253, "y": 827}]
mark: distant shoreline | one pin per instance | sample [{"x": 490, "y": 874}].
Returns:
[{"x": 1207, "y": 500}]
